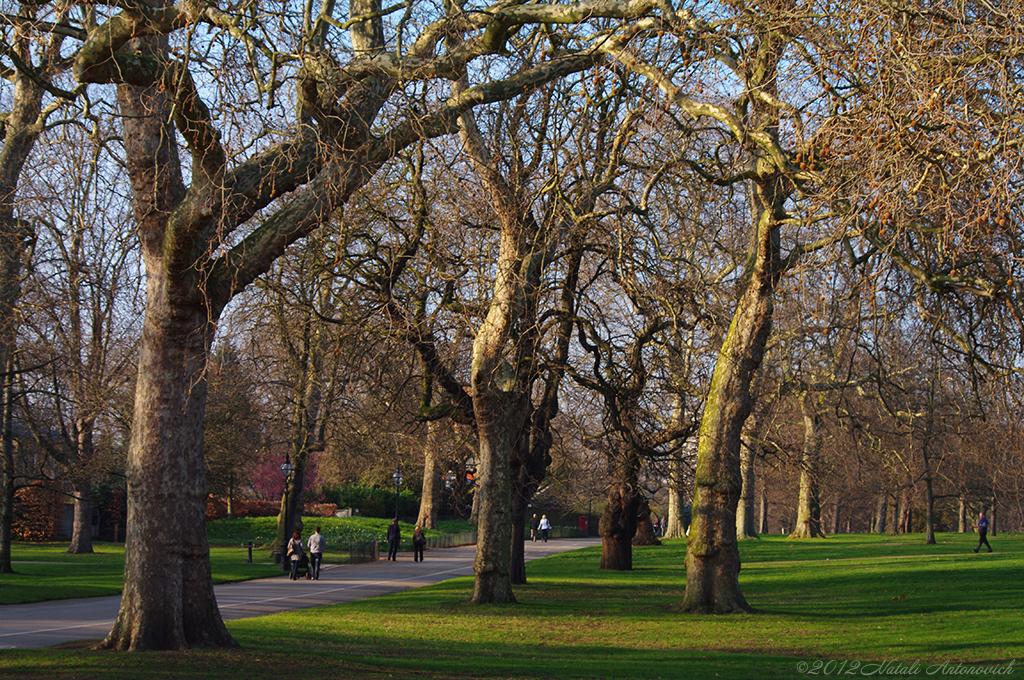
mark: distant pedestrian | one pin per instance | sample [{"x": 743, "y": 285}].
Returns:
[
  {"x": 534, "y": 527},
  {"x": 394, "y": 538},
  {"x": 982, "y": 527},
  {"x": 545, "y": 527},
  {"x": 316, "y": 552},
  {"x": 419, "y": 541},
  {"x": 295, "y": 553}
]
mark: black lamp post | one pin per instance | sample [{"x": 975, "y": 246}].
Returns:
[
  {"x": 287, "y": 469},
  {"x": 397, "y": 476}
]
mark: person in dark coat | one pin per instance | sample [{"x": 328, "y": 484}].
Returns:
[
  {"x": 534, "y": 527},
  {"x": 394, "y": 538},
  {"x": 419, "y": 541},
  {"x": 982, "y": 527}
]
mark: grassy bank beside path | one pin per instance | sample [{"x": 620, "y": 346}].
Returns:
[
  {"x": 841, "y": 606},
  {"x": 44, "y": 571}
]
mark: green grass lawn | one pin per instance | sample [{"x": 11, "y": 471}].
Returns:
[
  {"x": 46, "y": 572},
  {"x": 841, "y": 606}
]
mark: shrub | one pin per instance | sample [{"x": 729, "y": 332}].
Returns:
[
  {"x": 38, "y": 512},
  {"x": 372, "y": 502}
]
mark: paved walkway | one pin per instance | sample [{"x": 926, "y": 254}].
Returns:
[{"x": 28, "y": 626}]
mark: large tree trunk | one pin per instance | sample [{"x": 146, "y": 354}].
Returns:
[
  {"x": 517, "y": 566},
  {"x": 644, "y": 528},
  {"x": 168, "y": 600},
  {"x": 712, "y": 556},
  {"x": 962, "y": 516},
  {"x": 808, "y": 510},
  {"x": 530, "y": 460},
  {"x": 81, "y": 531},
  {"x": 430, "y": 500},
  {"x": 881, "y": 510},
  {"x": 676, "y": 524},
  {"x": 762, "y": 518},
  {"x": 497, "y": 427},
  {"x": 618, "y": 521},
  {"x": 929, "y": 513},
  {"x": 21, "y": 129},
  {"x": 745, "y": 521},
  {"x": 7, "y": 507}
]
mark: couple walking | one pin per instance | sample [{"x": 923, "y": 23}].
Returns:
[
  {"x": 298, "y": 558},
  {"x": 394, "y": 537}
]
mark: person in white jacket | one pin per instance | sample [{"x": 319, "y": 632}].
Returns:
[
  {"x": 545, "y": 527},
  {"x": 316, "y": 552}
]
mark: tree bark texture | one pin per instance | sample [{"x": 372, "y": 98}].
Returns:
[
  {"x": 881, "y": 510},
  {"x": 746, "y": 526},
  {"x": 430, "y": 500},
  {"x": 676, "y": 527},
  {"x": 168, "y": 600},
  {"x": 712, "y": 557},
  {"x": 81, "y": 531},
  {"x": 497, "y": 427},
  {"x": 929, "y": 512},
  {"x": 7, "y": 450},
  {"x": 676, "y": 523},
  {"x": 763, "y": 514},
  {"x": 808, "y": 509},
  {"x": 20, "y": 131},
  {"x": 618, "y": 521},
  {"x": 644, "y": 527}
]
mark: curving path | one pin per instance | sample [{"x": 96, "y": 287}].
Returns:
[{"x": 27, "y": 626}]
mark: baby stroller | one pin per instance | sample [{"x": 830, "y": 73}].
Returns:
[{"x": 303, "y": 570}]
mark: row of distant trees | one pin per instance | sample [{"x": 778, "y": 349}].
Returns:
[{"x": 686, "y": 244}]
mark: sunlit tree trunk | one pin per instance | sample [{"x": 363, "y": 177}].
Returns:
[
  {"x": 675, "y": 526},
  {"x": 745, "y": 520},
  {"x": 168, "y": 600},
  {"x": 430, "y": 500},
  {"x": 712, "y": 557},
  {"x": 808, "y": 512},
  {"x": 881, "y": 510}
]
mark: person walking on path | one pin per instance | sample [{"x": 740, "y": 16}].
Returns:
[
  {"x": 394, "y": 538},
  {"x": 295, "y": 553},
  {"x": 534, "y": 527},
  {"x": 982, "y": 527},
  {"x": 545, "y": 527},
  {"x": 419, "y": 541},
  {"x": 316, "y": 553}
]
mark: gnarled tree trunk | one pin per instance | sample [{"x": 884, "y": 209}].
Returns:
[
  {"x": 644, "y": 528},
  {"x": 618, "y": 521}
]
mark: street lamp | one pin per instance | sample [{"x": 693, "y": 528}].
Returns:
[
  {"x": 287, "y": 469},
  {"x": 397, "y": 476}
]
